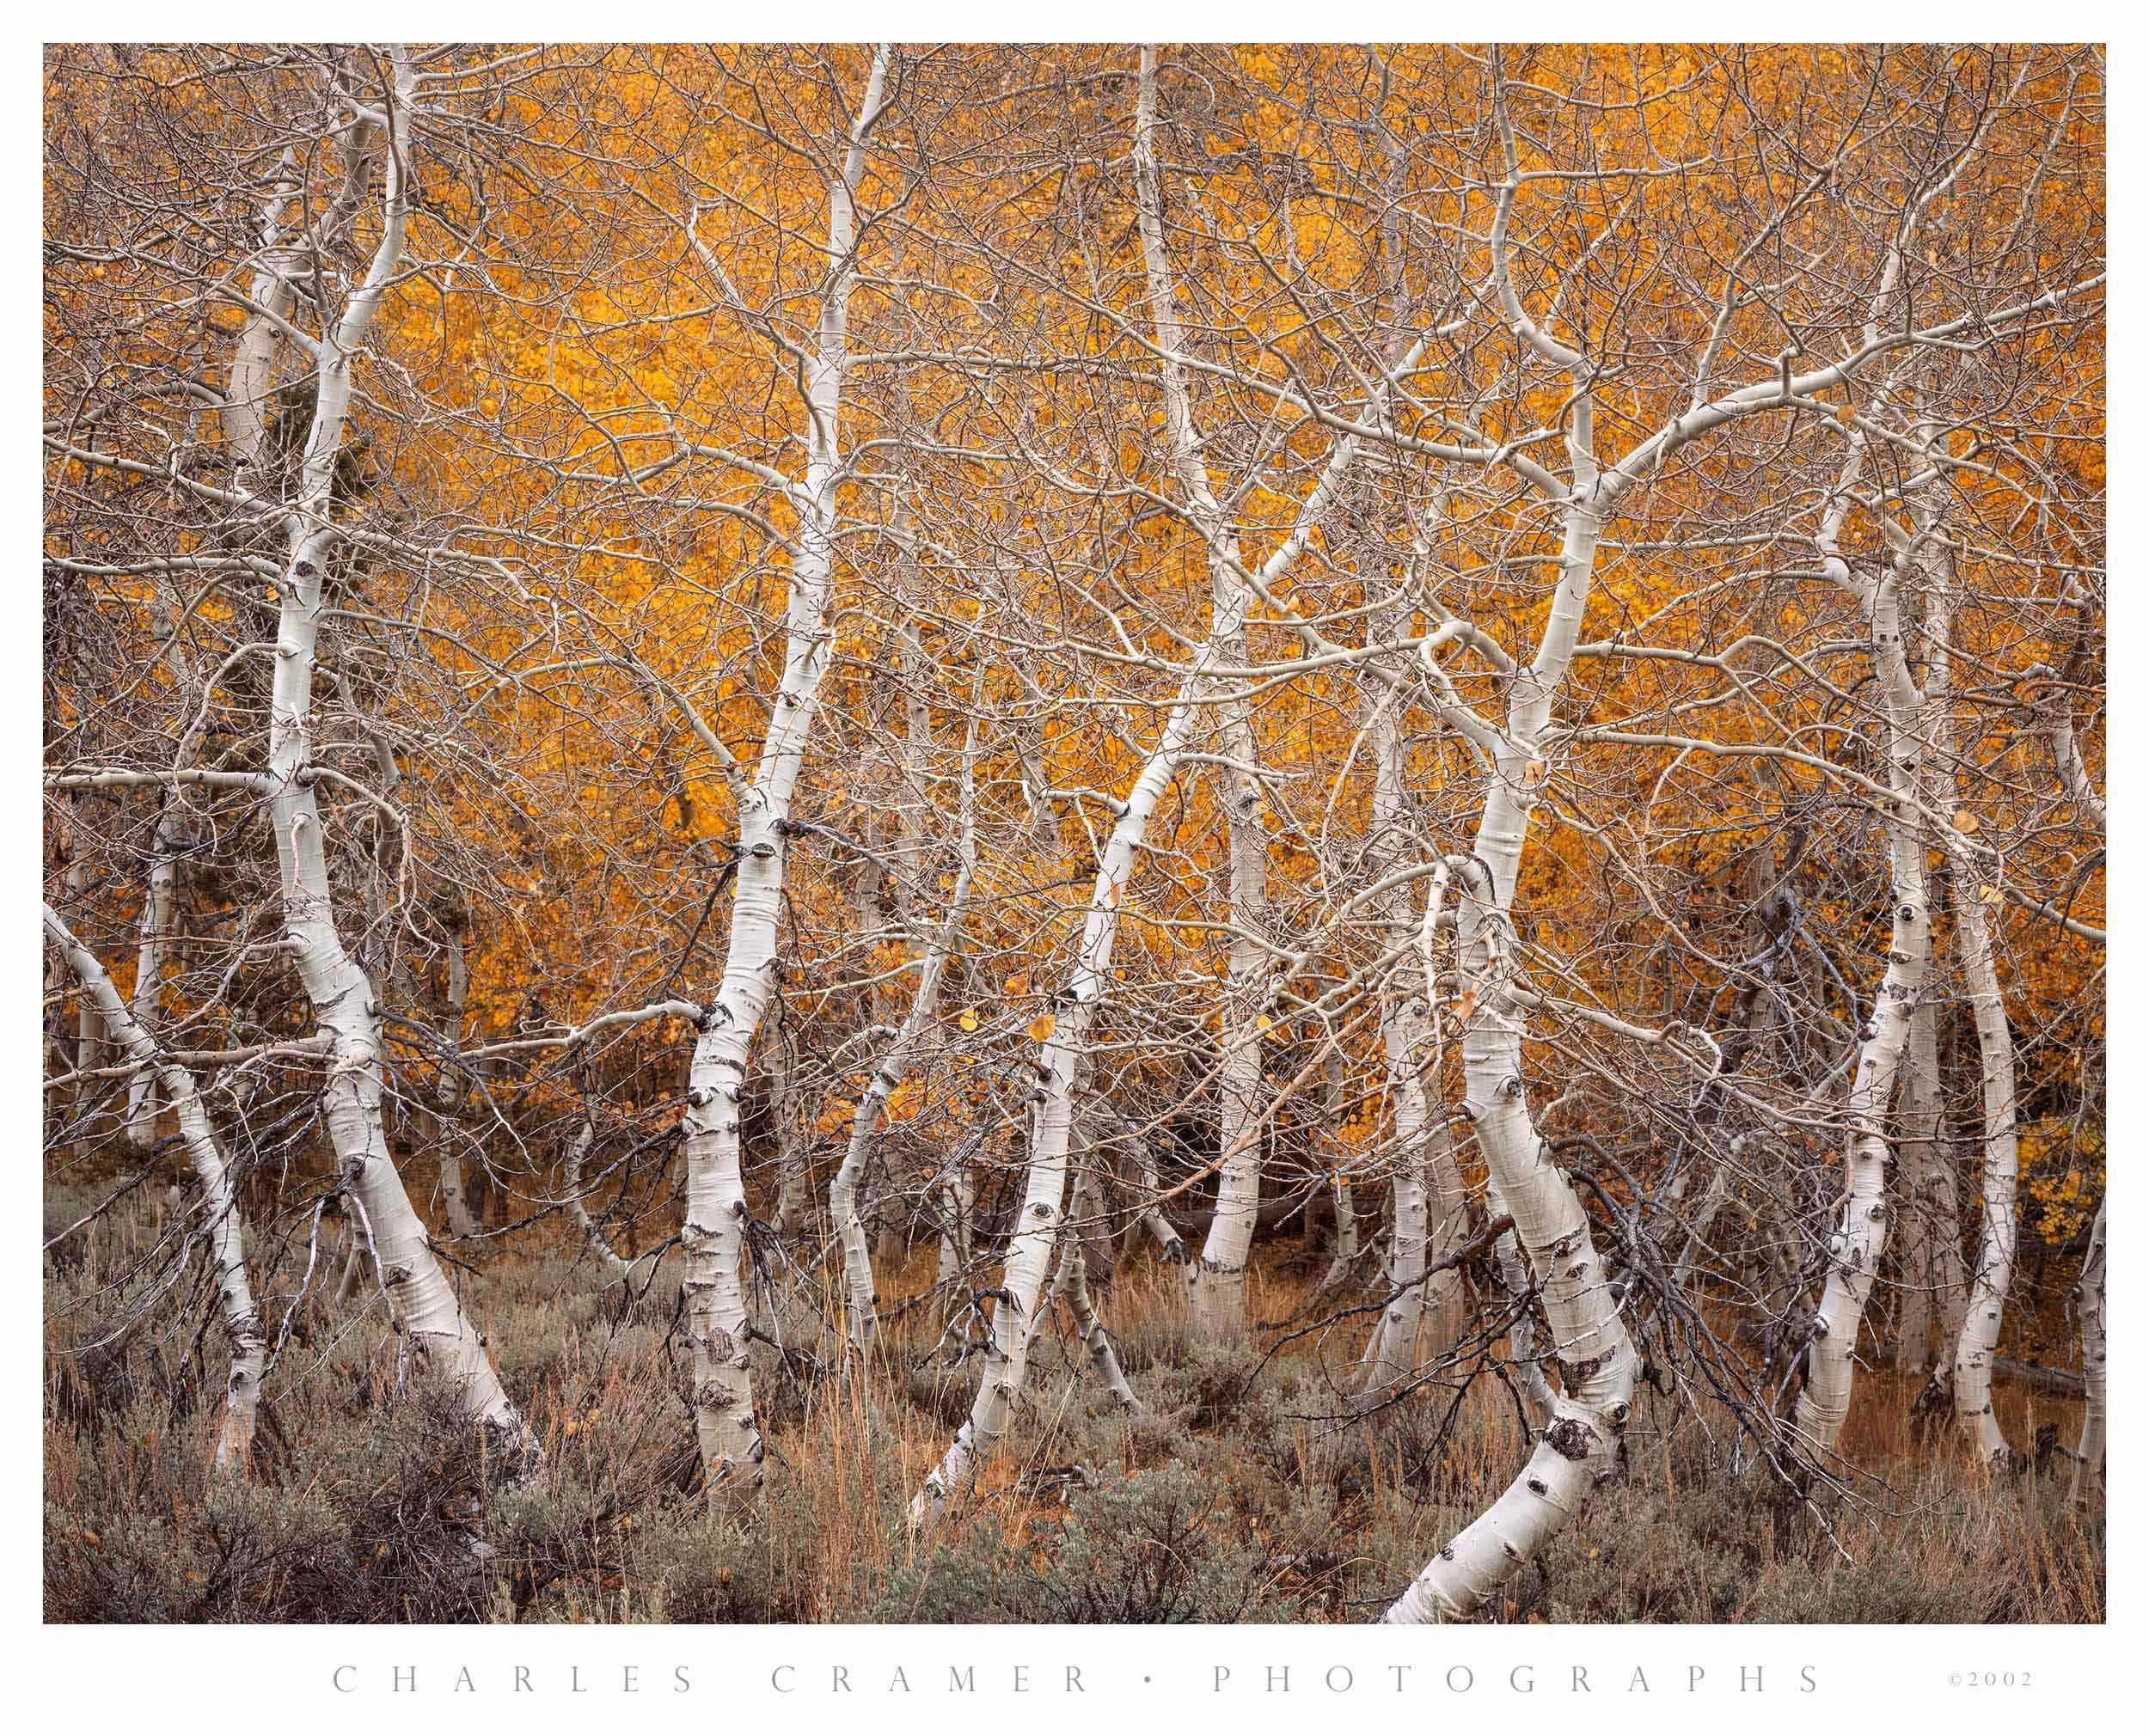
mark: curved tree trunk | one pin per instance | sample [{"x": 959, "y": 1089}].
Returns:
[
  {"x": 713, "y": 1234},
  {"x": 220, "y": 1200},
  {"x": 1070, "y": 1288},
  {"x": 1030, "y": 1250},
  {"x": 149, "y": 961},
  {"x": 1979, "y": 1340},
  {"x": 1405, "y": 1033},
  {"x": 426, "y": 1313},
  {"x": 1582, "y": 1446},
  {"x": 1855, "y": 1249}
]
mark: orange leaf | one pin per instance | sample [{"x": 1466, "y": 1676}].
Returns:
[{"x": 1043, "y": 1026}]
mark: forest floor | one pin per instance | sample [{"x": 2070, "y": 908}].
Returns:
[{"x": 1237, "y": 1493}]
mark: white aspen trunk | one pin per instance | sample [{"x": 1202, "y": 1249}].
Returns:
[
  {"x": 1070, "y": 1289},
  {"x": 1582, "y": 1446},
  {"x": 1423, "y": 1151},
  {"x": 1389, "y": 1356},
  {"x": 89, "y": 1028},
  {"x": 426, "y": 1311},
  {"x": 245, "y": 415},
  {"x": 1153, "y": 1217},
  {"x": 2074, "y": 774},
  {"x": 149, "y": 970},
  {"x": 860, "y": 1296},
  {"x": 1103, "y": 1356},
  {"x": 1861, "y": 1238},
  {"x": 713, "y": 1234},
  {"x": 1058, "y": 1054},
  {"x": 2088, "y": 1300},
  {"x": 1978, "y": 1341},
  {"x": 1918, "y": 1261},
  {"x": 158, "y": 901},
  {"x": 1216, "y": 1278},
  {"x": 872, "y": 1193},
  {"x": 220, "y": 1203},
  {"x": 1030, "y": 1248},
  {"x": 1344, "y": 1260}
]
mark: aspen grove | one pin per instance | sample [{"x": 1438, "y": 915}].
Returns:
[{"x": 1118, "y": 832}]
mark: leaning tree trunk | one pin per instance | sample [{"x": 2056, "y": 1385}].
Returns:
[
  {"x": 1861, "y": 1238},
  {"x": 89, "y": 1027},
  {"x": 1427, "y": 1190},
  {"x": 713, "y": 1234},
  {"x": 1216, "y": 1278},
  {"x": 593, "y": 1237},
  {"x": 1974, "y": 899},
  {"x": 149, "y": 963},
  {"x": 1070, "y": 1288},
  {"x": 1061, "y": 1049},
  {"x": 220, "y": 1200},
  {"x": 1583, "y": 1444},
  {"x": 1006, "y": 1352},
  {"x": 425, "y": 1309}
]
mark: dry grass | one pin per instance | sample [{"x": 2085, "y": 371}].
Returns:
[{"x": 1233, "y": 1496}]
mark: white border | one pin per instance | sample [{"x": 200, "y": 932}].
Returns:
[{"x": 163, "y": 1679}]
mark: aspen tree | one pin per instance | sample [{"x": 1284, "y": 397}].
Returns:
[
  {"x": 220, "y": 1201},
  {"x": 716, "y": 1209}
]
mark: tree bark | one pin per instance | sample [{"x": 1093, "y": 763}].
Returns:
[
  {"x": 1919, "y": 1259},
  {"x": 714, "y": 1236},
  {"x": 2089, "y": 1300},
  {"x": 425, "y": 1310},
  {"x": 220, "y": 1200},
  {"x": 1582, "y": 1445}
]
